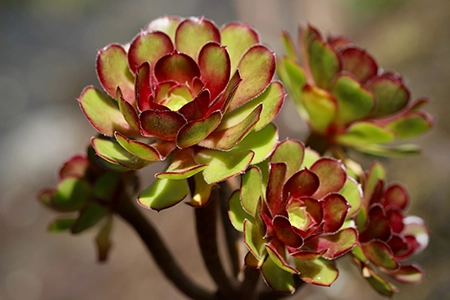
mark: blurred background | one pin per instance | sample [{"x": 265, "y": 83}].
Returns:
[{"x": 47, "y": 55}]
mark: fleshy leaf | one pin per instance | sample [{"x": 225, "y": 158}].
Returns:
[
  {"x": 359, "y": 63},
  {"x": 376, "y": 173},
  {"x": 256, "y": 68},
  {"x": 128, "y": 111},
  {"x": 321, "y": 107},
  {"x": 228, "y": 137},
  {"x": 223, "y": 165},
  {"x": 336, "y": 244},
  {"x": 354, "y": 100},
  {"x": 253, "y": 239},
  {"x": 288, "y": 45},
  {"x": 285, "y": 233},
  {"x": 251, "y": 190},
  {"x": 163, "y": 193},
  {"x": 396, "y": 196},
  {"x": 103, "y": 241},
  {"x": 408, "y": 274},
  {"x": 148, "y": 47},
  {"x": 380, "y": 254},
  {"x": 366, "y": 133},
  {"x": 102, "y": 113},
  {"x": 106, "y": 186},
  {"x": 193, "y": 33},
  {"x": 353, "y": 194},
  {"x": 214, "y": 64},
  {"x": 261, "y": 142},
  {"x": 291, "y": 152},
  {"x": 143, "y": 89},
  {"x": 183, "y": 165},
  {"x": 392, "y": 95},
  {"x": 177, "y": 67},
  {"x": 113, "y": 71},
  {"x": 89, "y": 217},
  {"x": 274, "y": 194},
  {"x": 378, "y": 226},
  {"x": 276, "y": 278},
  {"x": 166, "y": 24},
  {"x": 380, "y": 284},
  {"x": 138, "y": 149},
  {"x": 115, "y": 154},
  {"x": 196, "y": 131},
  {"x": 223, "y": 101},
  {"x": 76, "y": 166},
  {"x": 237, "y": 37},
  {"x": 61, "y": 225},
  {"x": 236, "y": 213},
  {"x": 71, "y": 194},
  {"x": 404, "y": 150},
  {"x": 411, "y": 124},
  {"x": 310, "y": 157},
  {"x": 331, "y": 174},
  {"x": 323, "y": 62},
  {"x": 162, "y": 124},
  {"x": 335, "y": 209},
  {"x": 202, "y": 192},
  {"x": 316, "y": 271},
  {"x": 301, "y": 184}
]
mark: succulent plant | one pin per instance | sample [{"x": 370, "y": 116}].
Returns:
[
  {"x": 387, "y": 235},
  {"x": 185, "y": 88},
  {"x": 347, "y": 99},
  {"x": 86, "y": 195},
  {"x": 293, "y": 212}
]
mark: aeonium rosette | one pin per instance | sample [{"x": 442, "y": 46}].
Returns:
[
  {"x": 86, "y": 195},
  {"x": 295, "y": 214},
  {"x": 347, "y": 99},
  {"x": 387, "y": 235},
  {"x": 187, "y": 88}
]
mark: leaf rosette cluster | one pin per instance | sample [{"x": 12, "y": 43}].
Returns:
[
  {"x": 387, "y": 235},
  {"x": 295, "y": 216},
  {"x": 347, "y": 99},
  {"x": 185, "y": 88}
]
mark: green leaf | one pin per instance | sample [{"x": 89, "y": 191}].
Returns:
[
  {"x": 102, "y": 113},
  {"x": 115, "y": 154},
  {"x": 381, "y": 285},
  {"x": 183, "y": 165},
  {"x": 310, "y": 157},
  {"x": 202, "y": 191},
  {"x": 193, "y": 33},
  {"x": 254, "y": 240},
  {"x": 376, "y": 173},
  {"x": 103, "y": 240},
  {"x": 89, "y": 217},
  {"x": 107, "y": 185},
  {"x": 138, "y": 149},
  {"x": 166, "y": 24},
  {"x": 288, "y": 45},
  {"x": 236, "y": 212},
  {"x": 323, "y": 62},
  {"x": 71, "y": 194},
  {"x": 61, "y": 225},
  {"x": 404, "y": 150},
  {"x": 317, "y": 271},
  {"x": 251, "y": 190},
  {"x": 290, "y": 152},
  {"x": 331, "y": 174},
  {"x": 238, "y": 38},
  {"x": 256, "y": 68},
  {"x": 321, "y": 107},
  {"x": 411, "y": 125},
  {"x": 261, "y": 142},
  {"x": 353, "y": 194},
  {"x": 365, "y": 133},
  {"x": 128, "y": 111},
  {"x": 392, "y": 95},
  {"x": 163, "y": 193},
  {"x": 223, "y": 165},
  {"x": 354, "y": 100},
  {"x": 196, "y": 131},
  {"x": 276, "y": 278}
]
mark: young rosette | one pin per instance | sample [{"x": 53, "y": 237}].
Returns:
[
  {"x": 187, "y": 88},
  {"x": 85, "y": 195},
  {"x": 347, "y": 99},
  {"x": 387, "y": 235},
  {"x": 294, "y": 212}
]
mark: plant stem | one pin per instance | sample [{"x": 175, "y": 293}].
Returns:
[
  {"x": 206, "y": 228},
  {"x": 316, "y": 142},
  {"x": 161, "y": 254},
  {"x": 251, "y": 280},
  {"x": 231, "y": 234}
]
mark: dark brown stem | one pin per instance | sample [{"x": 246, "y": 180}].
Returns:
[
  {"x": 248, "y": 286},
  {"x": 231, "y": 234},
  {"x": 161, "y": 254},
  {"x": 206, "y": 228}
]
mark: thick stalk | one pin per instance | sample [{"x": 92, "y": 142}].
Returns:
[
  {"x": 206, "y": 228},
  {"x": 316, "y": 142},
  {"x": 161, "y": 254},
  {"x": 248, "y": 286}
]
